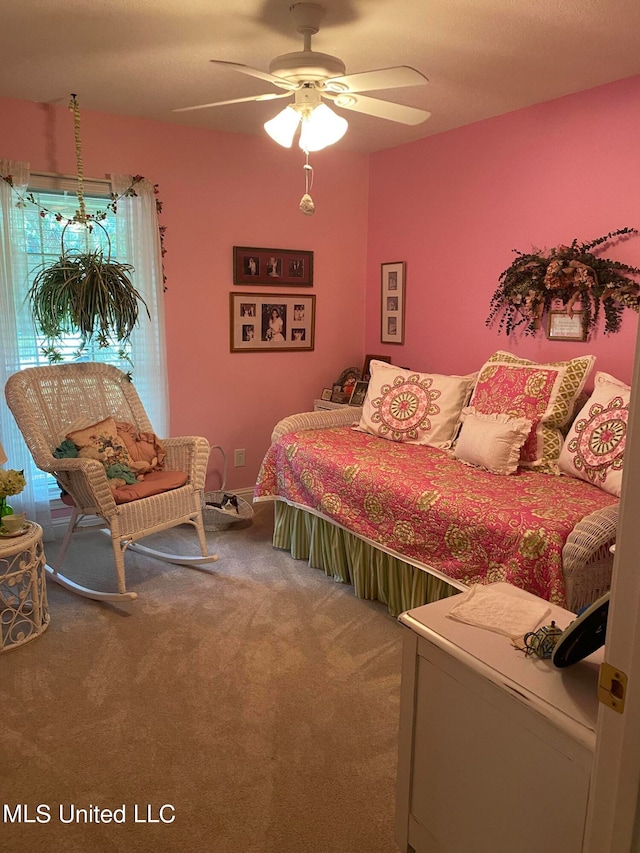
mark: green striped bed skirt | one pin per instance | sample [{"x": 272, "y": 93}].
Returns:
[{"x": 346, "y": 558}]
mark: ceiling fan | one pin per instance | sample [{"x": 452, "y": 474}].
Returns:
[{"x": 311, "y": 77}]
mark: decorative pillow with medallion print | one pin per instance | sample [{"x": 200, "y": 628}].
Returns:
[
  {"x": 594, "y": 448},
  {"x": 417, "y": 408},
  {"x": 545, "y": 394}
]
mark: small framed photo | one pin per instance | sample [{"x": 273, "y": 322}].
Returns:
[
  {"x": 275, "y": 267},
  {"x": 567, "y": 327},
  {"x": 366, "y": 371},
  {"x": 338, "y": 395},
  {"x": 326, "y": 394},
  {"x": 359, "y": 393},
  {"x": 393, "y": 302},
  {"x": 262, "y": 322}
]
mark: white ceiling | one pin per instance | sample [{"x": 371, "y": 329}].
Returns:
[{"x": 147, "y": 57}]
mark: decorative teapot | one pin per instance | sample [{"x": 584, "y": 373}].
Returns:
[{"x": 543, "y": 641}]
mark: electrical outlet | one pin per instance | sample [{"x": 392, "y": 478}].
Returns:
[{"x": 238, "y": 458}]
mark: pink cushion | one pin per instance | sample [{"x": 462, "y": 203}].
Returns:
[
  {"x": 145, "y": 448},
  {"x": 151, "y": 484}
]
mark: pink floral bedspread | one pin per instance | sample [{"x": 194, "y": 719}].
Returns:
[{"x": 471, "y": 525}]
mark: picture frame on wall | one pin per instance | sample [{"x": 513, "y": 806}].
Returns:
[
  {"x": 271, "y": 322},
  {"x": 275, "y": 267},
  {"x": 562, "y": 326},
  {"x": 392, "y": 302}
]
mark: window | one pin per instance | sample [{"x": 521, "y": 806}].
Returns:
[
  {"x": 26, "y": 240},
  {"x": 46, "y": 236}
]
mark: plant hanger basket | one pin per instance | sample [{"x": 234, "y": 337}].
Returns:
[
  {"x": 214, "y": 517},
  {"x": 84, "y": 290}
]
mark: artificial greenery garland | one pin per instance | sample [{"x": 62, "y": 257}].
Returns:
[{"x": 572, "y": 274}]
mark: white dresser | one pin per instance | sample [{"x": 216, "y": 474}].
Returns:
[{"x": 495, "y": 748}]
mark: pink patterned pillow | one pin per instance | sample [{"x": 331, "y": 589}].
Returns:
[
  {"x": 543, "y": 393},
  {"x": 418, "y": 408},
  {"x": 594, "y": 447}
]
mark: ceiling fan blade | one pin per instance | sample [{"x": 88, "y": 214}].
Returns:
[
  {"x": 380, "y": 109},
  {"x": 383, "y": 78},
  {"x": 269, "y": 97},
  {"x": 255, "y": 72}
]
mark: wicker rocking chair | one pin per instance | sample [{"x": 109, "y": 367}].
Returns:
[{"x": 46, "y": 402}]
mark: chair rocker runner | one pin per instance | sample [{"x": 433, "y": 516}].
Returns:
[{"x": 49, "y": 402}]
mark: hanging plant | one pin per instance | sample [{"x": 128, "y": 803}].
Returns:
[
  {"x": 86, "y": 292},
  {"x": 571, "y": 275}
]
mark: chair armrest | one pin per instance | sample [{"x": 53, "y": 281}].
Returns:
[
  {"x": 190, "y": 454},
  {"x": 86, "y": 481},
  {"x": 317, "y": 420},
  {"x": 587, "y": 562}
]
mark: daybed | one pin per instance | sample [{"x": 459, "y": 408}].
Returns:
[{"x": 406, "y": 522}]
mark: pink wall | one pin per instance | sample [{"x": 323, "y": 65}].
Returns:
[
  {"x": 453, "y": 206},
  {"x": 221, "y": 190}
]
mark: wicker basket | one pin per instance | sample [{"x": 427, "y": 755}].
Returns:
[
  {"x": 219, "y": 519},
  {"x": 215, "y": 519}
]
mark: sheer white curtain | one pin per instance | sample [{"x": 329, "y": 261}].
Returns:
[
  {"x": 17, "y": 334},
  {"x": 139, "y": 241}
]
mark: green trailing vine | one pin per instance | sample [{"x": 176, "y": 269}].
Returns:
[
  {"x": 89, "y": 219},
  {"x": 571, "y": 275},
  {"x": 81, "y": 216}
]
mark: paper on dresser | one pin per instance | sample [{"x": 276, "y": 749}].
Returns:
[{"x": 494, "y": 609}]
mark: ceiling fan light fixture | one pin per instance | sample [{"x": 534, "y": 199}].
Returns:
[
  {"x": 282, "y": 127},
  {"x": 321, "y": 128}
]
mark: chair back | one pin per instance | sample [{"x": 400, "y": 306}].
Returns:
[{"x": 48, "y": 402}]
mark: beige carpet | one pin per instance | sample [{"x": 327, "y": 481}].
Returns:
[{"x": 258, "y": 699}]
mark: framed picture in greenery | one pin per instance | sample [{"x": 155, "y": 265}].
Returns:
[
  {"x": 572, "y": 275},
  {"x": 562, "y": 326},
  {"x": 393, "y": 299}
]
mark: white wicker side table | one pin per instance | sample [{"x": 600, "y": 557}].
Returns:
[{"x": 24, "y": 612}]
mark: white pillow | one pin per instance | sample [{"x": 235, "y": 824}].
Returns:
[
  {"x": 418, "y": 408},
  {"x": 594, "y": 447},
  {"x": 492, "y": 441}
]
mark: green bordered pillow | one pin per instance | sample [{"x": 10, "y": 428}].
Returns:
[
  {"x": 545, "y": 394},
  {"x": 594, "y": 447},
  {"x": 418, "y": 408}
]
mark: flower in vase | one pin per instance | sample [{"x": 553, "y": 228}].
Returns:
[{"x": 11, "y": 483}]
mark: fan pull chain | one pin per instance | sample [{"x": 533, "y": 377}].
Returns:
[
  {"x": 81, "y": 213},
  {"x": 306, "y": 202}
]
